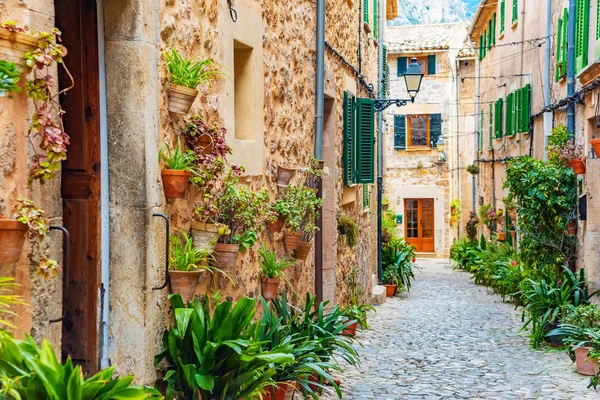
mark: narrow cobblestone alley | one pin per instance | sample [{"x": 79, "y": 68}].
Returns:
[{"x": 451, "y": 339}]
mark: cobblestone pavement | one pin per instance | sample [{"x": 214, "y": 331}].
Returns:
[{"x": 451, "y": 339}]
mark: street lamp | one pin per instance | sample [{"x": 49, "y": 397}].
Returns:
[
  {"x": 441, "y": 146},
  {"x": 413, "y": 77}
]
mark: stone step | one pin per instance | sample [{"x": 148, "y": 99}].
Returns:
[{"x": 378, "y": 295}]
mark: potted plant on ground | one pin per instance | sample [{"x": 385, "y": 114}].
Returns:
[
  {"x": 186, "y": 75},
  {"x": 187, "y": 264},
  {"x": 574, "y": 154},
  {"x": 179, "y": 167},
  {"x": 356, "y": 311},
  {"x": 271, "y": 271},
  {"x": 398, "y": 261},
  {"x": 511, "y": 207}
]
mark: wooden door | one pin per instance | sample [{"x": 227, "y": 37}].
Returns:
[
  {"x": 80, "y": 187},
  {"x": 419, "y": 226}
]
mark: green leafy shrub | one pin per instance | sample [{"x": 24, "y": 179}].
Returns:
[
  {"x": 356, "y": 309},
  {"x": 9, "y": 77},
  {"x": 299, "y": 206},
  {"x": 272, "y": 266},
  {"x": 348, "y": 228},
  {"x": 398, "y": 262}
]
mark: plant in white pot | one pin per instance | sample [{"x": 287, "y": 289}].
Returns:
[{"x": 186, "y": 75}]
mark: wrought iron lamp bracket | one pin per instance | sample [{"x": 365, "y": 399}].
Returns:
[{"x": 382, "y": 104}]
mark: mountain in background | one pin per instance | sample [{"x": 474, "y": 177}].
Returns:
[{"x": 412, "y": 12}]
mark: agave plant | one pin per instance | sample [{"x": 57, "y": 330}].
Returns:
[{"x": 398, "y": 265}]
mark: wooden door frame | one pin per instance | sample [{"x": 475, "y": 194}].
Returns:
[{"x": 418, "y": 242}]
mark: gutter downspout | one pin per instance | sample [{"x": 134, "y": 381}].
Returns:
[
  {"x": 319, "y": 109},
  {"x": 571, "y": 68},
  {"x": 477, "y": 124},
  {"x": 547, "y": 115},
  {"x": 380, "y": 146},
  {"x": 458, "y": 171},
  {"x": 104, "y": 194}
]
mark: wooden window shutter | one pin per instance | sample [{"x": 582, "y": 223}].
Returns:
[
  {"x": 481, "y": 117},
  {"x": 366, "y": 11},
  {"x": 375, "y": 19},
  {"x": 509, "y": 110},
  {"x": 386, "y": 76},
  {"x": 484, "y": 43},
  {"x": 494, "y": 29},
  {"x": 400, "y": 132},
  {"x": 431, "y": 64},
  {"x": 402, "y": 65},
  {"x": 491, "y": 125},
  {"x": 582, "y": 27},
  {"x": 513, "y": 113},
  {"x": 597, "y": 44},
  {"x": 365, "y": 141},
  {"x": 519, "y": 110},
  {"x": 435, "y": 129},
  {"x": 498, "y": 119},
  {"x": 515, "y": 11},
  {"x": 349, "y": 138},
  {"x": 480, "y": 47},
  {"x": 526, "y": 108},
  {"x": 366, "y": 197},
  {"x": 565, "y": 40},
  {"x": 489, "y": 35},
  {"x": 559, "y": 46},
  {"x": 502, "y": 14}
]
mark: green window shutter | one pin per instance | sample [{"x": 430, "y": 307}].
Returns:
[
  {"x": 366, "y": 197},
  {"x": 365, "y": 141},
  {"x": 502, "y": 14},
  {"x": 597, "y": 45},
  {"x": 491, "y": 125},
  {"x": 402, "y": 65},
  {"x": 565, "y": 46},
  {"x": 509, "y": 101},
  {"x": 484, "y": 43},
  {"x": 431, "y": 64},
  {"x": 518, "y": 108},
  {"x": 435, "y": 129},
  {"x": 494, "y": 29},
  {"x": 559, "y": 44},
  {"x": 526, "y": 109},
  {"x": 498, "y": 119},
  {"x": 481, "y": 117},
  {"x": 489, "y": 35},
  {"x": 349, "y": 138},
  {"x": 366, "y": 11},
  {"x": 400, "y": 132},
  {"x": 375, "y": 19},
  {"x": 386, "y": 76},
  {"x": 480, "y": 47},
  {"x": 513, "y": 114},
  {"x": 582, "y": 27},
  {"x": 515, "y": 11}
]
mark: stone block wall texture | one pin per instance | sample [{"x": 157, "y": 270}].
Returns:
[{"x": 137, "y": 33}]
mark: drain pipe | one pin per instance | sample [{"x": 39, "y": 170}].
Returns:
[
  {"x": 380, "y": 147},
  {"x": 104, "y": 194},
  {"x": 319, "y": 110},
  {"x": 571, "y": 69},
  {"x": 547, "y": 115}
]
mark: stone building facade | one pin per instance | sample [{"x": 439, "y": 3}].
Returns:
[
  {"x": 119, "y": 119},
  {"x": 420, "y": 183}
]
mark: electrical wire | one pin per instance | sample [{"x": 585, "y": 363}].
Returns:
[
  {"x": 369, "y": 88},
  {"x": 539, "y": 41}
]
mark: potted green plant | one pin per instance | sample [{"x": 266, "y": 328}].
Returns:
[
  {"x": 186, "y": 75},
  {"x": 385, "y": 204},
  {"x": 348, "y": 228},
  {"x": 473, "y": 169},
  {"x": 9, "y": 78},
  {"x": 15, "y": 42},
  {"x": 596, "y": 146},
  {"x": 179, "y": 167},
  {"x": 511, "y": 207},
  {"x": 398, "y": 262},
  {"x": 187, "y": 264},
  {"x": 574, "y": 154},
  {"x": 271, "y": 271}
]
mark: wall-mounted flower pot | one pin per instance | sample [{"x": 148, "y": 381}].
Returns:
[
  {"x": 572, "y": 228},
  {"x": 12, "y": 239},
  {"x": 578, "y": 165},
  {"x": 206, "y": 143},
  {"x": 596, "y": 145},
  {"x": 350, "y": 330},
  {"x": 512, "y": 215},
  {"x": 277, "y": 225},
  {"x": 386, "y": 237},
  {"x": 269, "y": 287},
  {"x": 205, "y": 235},
  {"x": 390, "y": 290},
  {"x": 284, "y": 390},
  {"x": 225, "y": 256},
  {"x": 14, "y": 46},
  {"x": 175, "y": 183},
  {"x": 291, "y": 240},
  {"x": 513, "y": 236},
  {"x": 585, "y": 365},
  {"x": 185, "y": 283},
  {"x": 501, "y": 236},
  {"x": 181, "y": 98},
  {"x": 284, "y": 175},
  {"x": 302, "y": 250},
  {"x": 385, "y": 206}
]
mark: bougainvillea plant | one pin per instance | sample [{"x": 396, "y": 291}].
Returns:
[
  {"x": 27, "y": 213},
  {"x": 46, "y": 121}
]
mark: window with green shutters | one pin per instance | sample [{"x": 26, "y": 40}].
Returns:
[
  {"x": 561, "y": 46},
  {"x": 435, "y": 129},
  {"x": 366, "y": 11},
  {"x": 582, "y": 28},
  {"x": 515, "y": 11},
  {"x": 510, "y": 114},
  {"x": 597, "y": 44},
  {"x": 431, "y": 64},
  {"x": 502, "y": 14},
  {"x": 498, "y": 119},
  {"x": 366, "y": 197},
  {"x": 484, "y": 48},
  {"x": 524, "y": 109},
  {"x": 480, "y": 47},
  {"x": 489, "y": 35},
  {"x": 517, "y": 113},
  {"x": 402, "y": 65},
  {"x": 349, "y": 133},
  {"x": 376, "y": 19},
  {"x": 491, "y": 126},
  {"x": 494, "y": 29},
  {"x": 359, "y": 140},
  {"x": 386, "y": 74},
  {"x": 400, "y": 132},
  {"x": 481, "y": 118}
]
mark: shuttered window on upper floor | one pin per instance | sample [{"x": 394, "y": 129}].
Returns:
[
  {"x": 561, "y": 46},
  {"x": 502, "y": 15},
  {"x": 417, "y": 131},
  {"x": 498, "y": 119},
  {"x": 386, "y": 74},
  {"x": 597, "y": 44},
  {"x": 515, "y": 11},
  {"x": 582, "y": 29},
  {"x": 491, "y": 126},
  {"x": 359, "y": 140}
]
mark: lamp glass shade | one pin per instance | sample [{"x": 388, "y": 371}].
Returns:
[
  {"x": 440, "y": 145},
  {"x": 413, "y": 77}
]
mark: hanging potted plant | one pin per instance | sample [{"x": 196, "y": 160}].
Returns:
[
  {"x": 186, "y": 75},
  {"x": 187, "y": 264},
  {"x": 348, "y": 228},
  {"x": 15, "y": 42},
  {"x": 299, "y": 207},
  {"x": 473, "y": 169},
  {"x": 284, "y": 175},
  {"x": 574, "y": 154},
  {"x": 385, "y": 204},
  {"x": 501, "y": 235},
  {"x": 511, "y": 207},
  {"x": 596, "y": 146},
  {"x": 176, "y": 175},
  {"x": 271, "y": 271}
]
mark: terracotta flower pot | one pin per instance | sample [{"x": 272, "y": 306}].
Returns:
[
  {"x": 175, "y": 183},
  {"x": 578, "y": 165},
  {"x": 291, "y": 240},
  {"x": 302, "y": 250},
  {"x": 225, "y": 256},
  {"x": 385, "y": 207},
  {"x": 12, "y": 239},
  {"x": 269, "y": 287},
  {"x": 181, "y": 98},
  {"x": 513, "y": 236},
  {"x": 585, "y": 365},
  {"x": 501, "y": 236},
  {"x": 284, "y": 175},
  {"x": 390, "y": 290},
  {"x": 14, "y": 45},
  {"x": 277, "y": 225},
  {"x": 596, "y": 145},
  {"x": 572, "y": 228},
  {"x": 386, "y": 237},
  {"x": 284, "y": 390},
  {"x": 513, "y": 215},
  {"x": 185, "y": 283},
  {"x": 350, "y": 330},
  {"x": 206, "y": 143},
  {"x": 205, "y": 235}
]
